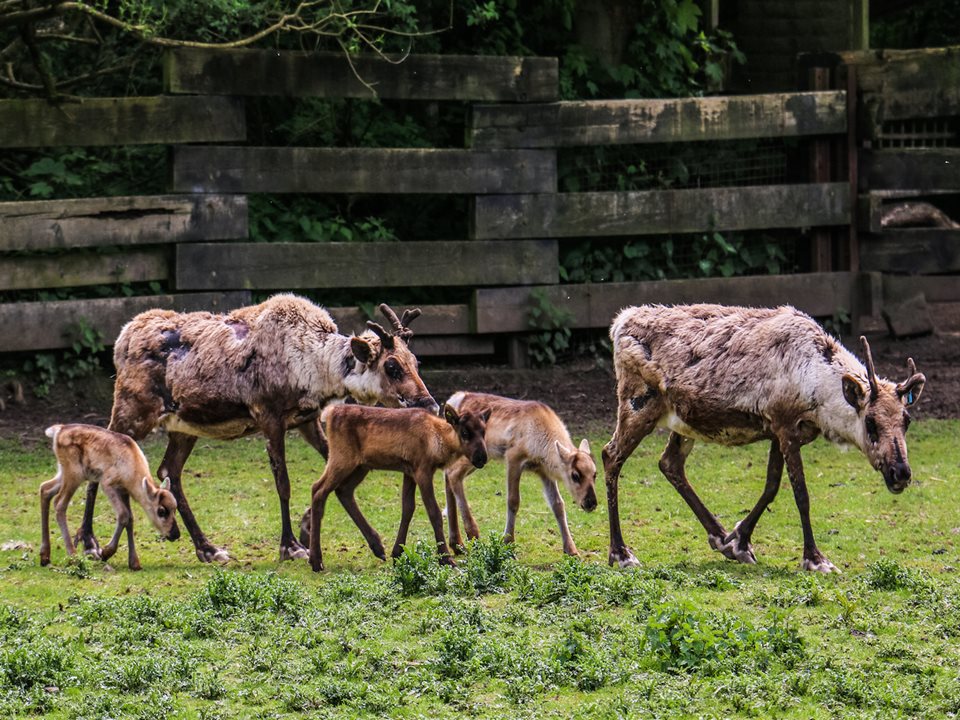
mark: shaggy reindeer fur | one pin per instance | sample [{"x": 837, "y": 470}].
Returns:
[
  {"x": 736, "y": 375},
  {"x": 86, "y": 453},
  {"x": 529, "y": 436},
  {"x": 414, "y": 442},
  {"x": 265, "y": 368}
]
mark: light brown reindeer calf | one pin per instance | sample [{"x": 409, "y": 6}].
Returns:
[
  {"x": 414, "y": 442},
  {"x": 86, "y": 453},
  {"x": 529, "y": 436},
  {"x": 735, "y": 375}
]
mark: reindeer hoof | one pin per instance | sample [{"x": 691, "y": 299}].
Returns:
[
  {"x": 623, "y": 557},
  {"x": 316, "y": 565},
  {"x": 820, "y": 565},
  {"x": 448, "y": 561},
  {"x": 135, "y": 565},
  {"x": 293, "y": 552},
  {"x": 44, "y": 561},
  {"x": 379, "y": 552},
  {"x": 733, "y": 547},
  {"x": 212, "y": 554}
]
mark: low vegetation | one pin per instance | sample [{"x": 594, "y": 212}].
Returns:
[{"x": 515, "y": 630}]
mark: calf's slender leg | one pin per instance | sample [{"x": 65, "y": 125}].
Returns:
[
  {"x": 47, "y": 491},
  {"x": 514, "y": 471},
  {"x": 425, "y": 482},
  {"x": 408, "y": 501},
  {"x": 455, "y": 487},
  {"x": 551, "y": 494},
  {"x": 179, "y": 447},
  {"x": 346, "y": 495},
  {"x": 85, "y": 533}
]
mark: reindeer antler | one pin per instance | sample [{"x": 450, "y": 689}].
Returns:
[
  {"x": 386, "y": 339},
  {"x": 911, "y": 367},
  {"x": 871, "y": 370},
  {"x": 400, "y": 328}
]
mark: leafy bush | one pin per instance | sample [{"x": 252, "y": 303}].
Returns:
[
  {"x": 887, "y": 574},
  {"x": 489, "y": 563},
  {"x": 35, "y": 661},
  {"x": 230, "y": 593},
  {"x": 416, "y": 571}
]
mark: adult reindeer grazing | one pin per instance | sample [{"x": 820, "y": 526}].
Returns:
[
  {"x": 736, "y": 375},
  {"x": 264, "y": 368}
]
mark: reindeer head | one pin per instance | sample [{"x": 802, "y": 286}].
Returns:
[
  {"x": 161, "y": 508},
  {"x": 882, "y": 412},
  {"x": 580, "y": 474},
  {"x": 471, "y": 431},
  {"x": 389, "y": 374}
]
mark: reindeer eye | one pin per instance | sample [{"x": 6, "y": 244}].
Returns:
[
  {"x": 161, "y": 512},
  {"x": 464, "y": 433},
  {"x": 575, "y": 476},
  {"x": 392, "y": 369},
  {"x": 872, "y": 432}
]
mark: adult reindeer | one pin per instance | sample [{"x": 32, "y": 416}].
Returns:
[
  {"x": 736, "y": 375},
  {"x": 265, "y": 368}
]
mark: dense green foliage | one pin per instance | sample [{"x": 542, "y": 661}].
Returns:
[{"x": 518, "y": 630}]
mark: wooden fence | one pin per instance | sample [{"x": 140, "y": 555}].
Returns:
[{"x": 195, "y": 240}]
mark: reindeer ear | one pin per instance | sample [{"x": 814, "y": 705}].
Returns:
[
  {"x": 450, "y": 415},
  {"x": 853, "y": 391},
  {"x": 565, "y": 455},
  {"x": 361, "y": 350},
  {"x": 485, "y": 415},
  {"x": 909, "y": 390},
  {"x": 165, "y": 485},
  {"x": 585, "y": 446},
  {"x": 146, "y": 485}
]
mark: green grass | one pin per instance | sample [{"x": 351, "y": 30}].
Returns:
[{"x": 518, "y": 631}]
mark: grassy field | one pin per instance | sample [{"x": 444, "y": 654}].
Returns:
[{"x": 689, "y": 634}]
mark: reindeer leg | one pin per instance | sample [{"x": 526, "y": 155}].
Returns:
[
  {"x": 551, "y": 493},
  {"x": 47, "y": 491},
  {"x": 275, "y": 431},
  {"x": 312, "y": 432},
  {"x": 813, "y": 559},
  {"x": 425, "y": 482},
  {"x": 454, "y": 538},
  {"x": 345, "y": 494},
  {"x": 327, "y": 483},
  {"x": 60, "y": 504},
  {"x": 85, "y": 534},
  {"x": 637, "y": 416},
  {"x": 461, "y": 470},
  {"x": 672, "y": 466},
  {"x": 738, "y": 541},
  {"x": 408, "y": 501},
  {"x": 179, "y": 447},
  {"x": 514, "y": 470}
]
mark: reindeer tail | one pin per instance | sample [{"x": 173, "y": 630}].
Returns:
[{"x": 52, "y": 432}]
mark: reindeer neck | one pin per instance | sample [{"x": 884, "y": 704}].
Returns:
[{"x": 836, "y": 418}]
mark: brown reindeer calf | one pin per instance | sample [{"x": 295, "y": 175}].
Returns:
[
  {"x": 414, "y": 442},
  {"x": 735, "y": 375},
  {"x": 529, "y": 436},
  {"x": 86, "y": 453}
]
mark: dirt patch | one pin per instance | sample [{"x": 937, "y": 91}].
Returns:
[{"x": 582, "y": 392}]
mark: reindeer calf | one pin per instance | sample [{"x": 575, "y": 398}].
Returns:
[
  {"x": 414, "y": 442},
  {"x": 86, "y": 453},
  {"x": 529, "y": 436}
]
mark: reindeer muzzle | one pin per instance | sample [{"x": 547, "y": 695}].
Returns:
[
  {"x": 427, "y": 403},
  {"x": 897, "y": 477},
  {"x": 479, "y": 459},
  {"x": 589, "y": 502},
  {"x": 174, "y": 533}
]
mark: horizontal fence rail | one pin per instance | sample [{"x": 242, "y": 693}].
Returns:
[
  {"x": 452, "y": 263},
  {"x": 77, "y": 269},
  {"x": 661, "y": 211},
  {"x": 324, "y": 74},
  {"x": 121, "y": 121},
  {"x": 135, "y": 220},
  {"x": 613, "y": 122},
  {"x": 362, "y": 170}
]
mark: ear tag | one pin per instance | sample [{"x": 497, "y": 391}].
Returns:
[{"x": 910, "y": 398}]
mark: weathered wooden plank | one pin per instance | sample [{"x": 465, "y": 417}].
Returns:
[
  {"x": 137, "y": 220},
  {"x": 594, "y": 305},
  {"x": 901, "y": 84},
  {"x": 325, "y": 74},
  {"x": 935, "y": 288},
  {"x": 613, "y": 122},
  {"x": 48, "y": 325},
  {"x": 205, "y": 266},
  {"x": 452, "y": 345},
  {"x": 914, "y": 251},
  {"x": 434, "y": 320},
  {"x": 77, "y": 269},
  {"x": 362, "y": 170},
  {"x": 121, "y": 121},
  {"x": 872, "y": 205},
  {"x": 912, "y": 169},
  {"x": 661, "y": 211}
]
